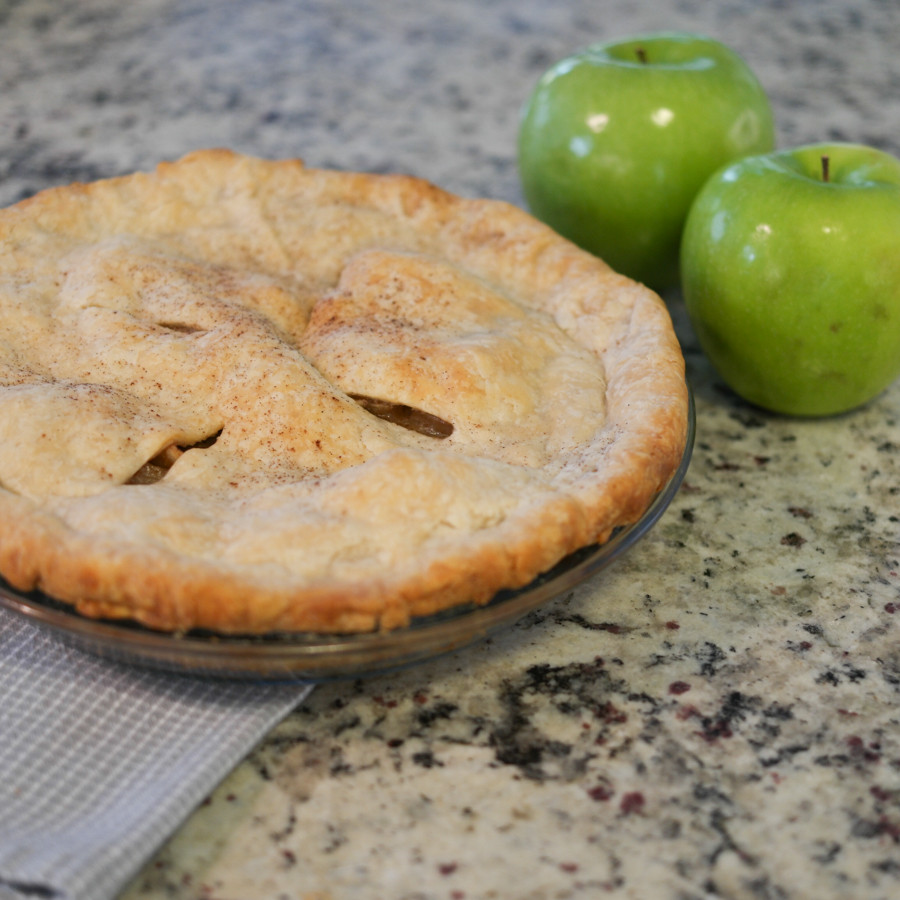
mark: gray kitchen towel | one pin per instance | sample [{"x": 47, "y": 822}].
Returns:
[{"x": 100, "y": 761}]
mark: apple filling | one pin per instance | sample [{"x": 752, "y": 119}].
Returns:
[
  {"x": 180, "y": 327},
  {"x": 158, "y": 467},
  {"x": 406, "y": 416}
]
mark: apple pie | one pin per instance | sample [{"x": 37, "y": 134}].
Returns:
[{"x": 252, "y": 396}]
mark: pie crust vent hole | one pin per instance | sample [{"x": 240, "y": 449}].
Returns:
[
  {"x": 181, "y": 327},
  {"x": 155, "y": 469},
  {"x": 406, "y": 416}
]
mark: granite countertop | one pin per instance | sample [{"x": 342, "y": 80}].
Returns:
[{"x": 715, "y": 716}]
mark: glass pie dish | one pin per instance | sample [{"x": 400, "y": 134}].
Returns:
[{"x": 322, "y": 657}]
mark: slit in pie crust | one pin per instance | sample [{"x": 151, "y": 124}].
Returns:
[{"x": 250, "y": 396}]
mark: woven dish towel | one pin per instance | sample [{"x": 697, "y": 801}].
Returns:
[{"x": 101, "y": 762}]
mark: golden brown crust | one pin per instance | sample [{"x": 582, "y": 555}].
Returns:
[{"x": 179, "y": 357}]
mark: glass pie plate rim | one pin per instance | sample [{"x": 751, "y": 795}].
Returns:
[{"x": 323, "y": 657}]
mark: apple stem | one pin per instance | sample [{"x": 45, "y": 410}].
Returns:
[
  {"x": 641, "y": 54},
  {"x": 825, "y": 173}
]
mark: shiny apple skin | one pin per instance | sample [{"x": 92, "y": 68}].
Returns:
[
  {"x": 792, "y": 283},
  {"x": 613, "y": 150}
]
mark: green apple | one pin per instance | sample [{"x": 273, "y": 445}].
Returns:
[
  {"x": 791, "y": 276},
  {"x": 616, "y": 140}
]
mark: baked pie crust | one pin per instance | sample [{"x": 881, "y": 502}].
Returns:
[{"x": 249, "y": 396}]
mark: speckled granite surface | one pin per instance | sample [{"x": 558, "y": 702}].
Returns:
[{"x": 714, "y": 717}]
